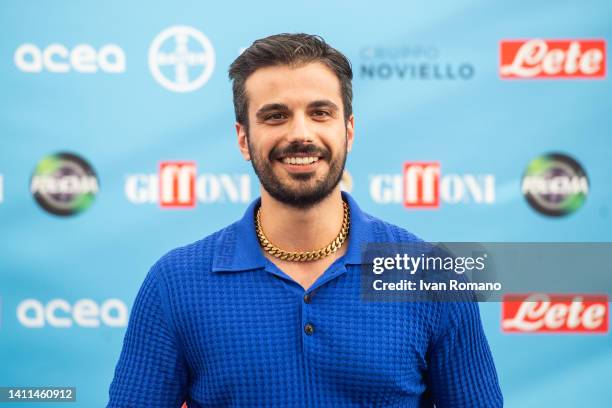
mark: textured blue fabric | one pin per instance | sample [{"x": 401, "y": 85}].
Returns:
[{"x": 218, "y": 325}]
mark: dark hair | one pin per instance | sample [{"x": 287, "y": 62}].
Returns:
[{"x": 292, "y": 50}]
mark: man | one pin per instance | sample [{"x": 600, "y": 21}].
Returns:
[{"x": 267, "y": 312}]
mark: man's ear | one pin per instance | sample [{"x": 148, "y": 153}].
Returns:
[
  {"x": 243, "y": 142},
  {"x": 350, "y": 132}
]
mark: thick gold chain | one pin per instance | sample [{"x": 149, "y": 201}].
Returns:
[{"x": 308, "y": 255}]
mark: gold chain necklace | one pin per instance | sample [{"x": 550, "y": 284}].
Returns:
[{"x": 308, "y": 255}]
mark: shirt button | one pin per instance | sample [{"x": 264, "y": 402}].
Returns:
[
  {"x": 308, "y": 329},
  {"x": 307, "y": 298}
]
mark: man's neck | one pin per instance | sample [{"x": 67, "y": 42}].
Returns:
[{"x": 298, "y": 230}]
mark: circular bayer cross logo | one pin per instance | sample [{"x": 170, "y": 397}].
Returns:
[
  {"x": 181, "y": 59},
  {"x": 64, "y": 184},
  {"x": 555, "y": 184}
]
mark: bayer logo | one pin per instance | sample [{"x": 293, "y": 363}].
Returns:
[{"x": 181, "y": 59}]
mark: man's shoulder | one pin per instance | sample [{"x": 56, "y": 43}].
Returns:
[
  {"x": 384, "y": 231},
  {"x": 197, "y": 255}
]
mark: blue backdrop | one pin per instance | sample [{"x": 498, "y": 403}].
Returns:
[{"x": 126, "y": 86}]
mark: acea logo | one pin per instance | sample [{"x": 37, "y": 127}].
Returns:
[
  {"x": 177, "y": 185},
  {"x": 64, "y": 184},
  {"x": 422, "y": 185},
  {"x": 58, "y": 58},
  {"x": 181, "y": 59},
  {"x": 59, "y": 313},
  {"x": 555, "y": 184}
]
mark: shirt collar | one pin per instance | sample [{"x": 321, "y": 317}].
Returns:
[{"x": 237, "y": 247}]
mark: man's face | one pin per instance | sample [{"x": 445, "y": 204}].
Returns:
[{"x": 297, "y": 137}]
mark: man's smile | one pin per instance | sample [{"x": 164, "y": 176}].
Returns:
[{"x": 300, "y": 163}]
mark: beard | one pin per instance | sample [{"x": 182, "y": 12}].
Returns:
[{"x": 306, "y": 190}]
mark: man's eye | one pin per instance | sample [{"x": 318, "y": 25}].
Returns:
[
  {"x": 275, "y": 116},
  {"x": 321, "y": 113}
]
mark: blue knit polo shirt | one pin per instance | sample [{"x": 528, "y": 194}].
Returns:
[{"x": 216, "y": 324}]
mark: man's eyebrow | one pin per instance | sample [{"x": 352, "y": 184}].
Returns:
[
  {"x": 276, "y": 107},
  {"x": 271, "y": 107},
  {"x": 323, "y": 103}
]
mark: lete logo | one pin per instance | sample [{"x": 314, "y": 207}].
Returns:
[
  {"x": 542, "y": 313},
  {"x": 521, "y": 59}
]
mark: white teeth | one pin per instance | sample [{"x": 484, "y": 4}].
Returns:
[{"x": 300, "y": 160}]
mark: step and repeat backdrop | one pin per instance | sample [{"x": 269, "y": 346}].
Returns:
[{"x": 474, "y": 122}]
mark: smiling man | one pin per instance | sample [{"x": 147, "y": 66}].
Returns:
[{"x": 267, "y": 311}]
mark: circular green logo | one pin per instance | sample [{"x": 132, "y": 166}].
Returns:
[
  {"x": 555, "y": 184},
  {"x": 64, "y": 184}
]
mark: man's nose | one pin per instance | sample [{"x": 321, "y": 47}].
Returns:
[{"x": 300, "y": 130}]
